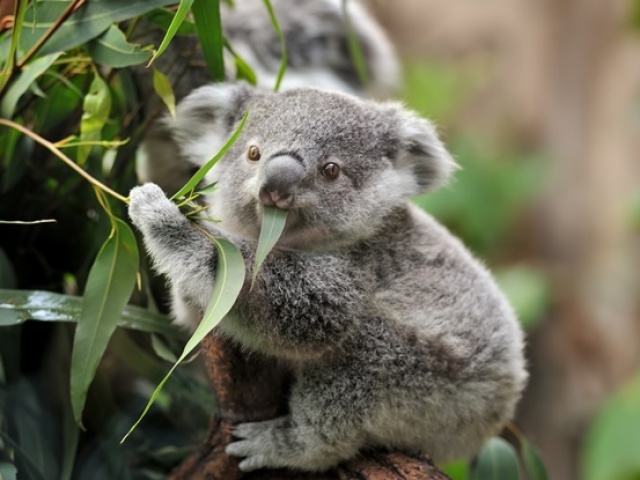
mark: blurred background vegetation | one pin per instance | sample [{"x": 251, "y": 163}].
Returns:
[{"x": 540, "y": 103}]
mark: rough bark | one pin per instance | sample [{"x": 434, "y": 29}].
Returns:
[{"x": 250, "y": 388}]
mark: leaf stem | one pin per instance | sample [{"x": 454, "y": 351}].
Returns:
[{"x": 56, "y": 151}]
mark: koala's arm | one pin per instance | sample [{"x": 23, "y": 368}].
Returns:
[{"x": 300, "y": 304}]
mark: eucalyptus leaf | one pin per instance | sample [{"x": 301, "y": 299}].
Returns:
[
  {"x": 22, "y": 83},
  {"x": 283, "y": 44},
  {"x": 496, "y": 461},
  {"x": 202, "y": 171},
  {"x": 163, "y": 18},
  {"x": 8, "y": 471},
  {"x": 29, "y": 468},
  {"x": 355, "y": 50},
  {"x": 109, "y": 286},
  {"x": 273, "y": 223},
  {"x": 533, "y": 464},
  {"x": 88, "y": 22},
  {"x": 230, "y": 274},
  {"x": 206, "y": 15},
  {"x": 176, "y": 22},
  {"x": 162, "y": 87},
  {"x": 243, "y": 69},
  {"x": 18, "y": 306},
  {"x": 162, "y": 349},
  {"x": 112, "y": 49},
  {"x": 96, "y": 108},
  {"x": 611, "y": 450}
]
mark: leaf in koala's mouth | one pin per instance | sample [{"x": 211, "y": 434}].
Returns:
[{"x": 273, "y": 222}]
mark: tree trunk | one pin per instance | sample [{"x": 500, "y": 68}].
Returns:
[{"x": 250, "y": 388}]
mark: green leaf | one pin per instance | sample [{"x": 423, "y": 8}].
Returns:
[
  {"x": 109, "y": 286},
  {"x": 243, "y": 69},
  {"x": 22, "y": 83},
  {"x": 533, "y": 464},
  {"x": 206, "y": 15},
  {"x": 273, "y": 223},
  {"x": 178, "y": 18},
  {"x": 230, "y": 273},
  {"x": 88, "y": 22},
  {"x": 163, "y": 18},
  {"x": 496, "y": 461},
  {"x": 354, "y": 47},
  {"x": 30, "y": 469},
  {"x": 283, "y": 45},
  {"x": 16, "y": 33},
  {"x": 18, "y": 306},
  {"x": 162, "y": 349},
  {"x": 8, "y": 471},
  {"x": 96, "y": 106},
  {"x": 458, "y": 470},
  {"x": 202, "y": 171},
  {"x": 162, "y": 86},
  {"x": 112, "y": 49},
  {"x": 611, "y": 449}
]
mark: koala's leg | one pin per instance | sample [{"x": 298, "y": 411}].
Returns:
[
  {"x": 186, "y": 256},
  {"x": 325, "y": 427}
]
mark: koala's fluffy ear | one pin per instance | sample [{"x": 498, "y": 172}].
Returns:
[
  {"x": 206, "y": 118},
  {"x": 421, "y": 153},
  {"x": 173, "y": 149}
]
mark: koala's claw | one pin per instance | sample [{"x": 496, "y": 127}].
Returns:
[{"x": 256, "y": 444}]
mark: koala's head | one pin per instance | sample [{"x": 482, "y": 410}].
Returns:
[{"x": 337, "y": 163}]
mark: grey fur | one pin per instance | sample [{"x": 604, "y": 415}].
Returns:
[
  {"x": 317, "y": 43},
  {"x": 396, "y": 335}
]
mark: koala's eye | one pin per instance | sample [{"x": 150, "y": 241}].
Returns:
[
  {"x": 331, "y": 171},
  {"x": 253, "y": 153}
]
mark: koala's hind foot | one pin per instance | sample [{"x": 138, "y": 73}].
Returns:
[{"x": 282, "y": 443}]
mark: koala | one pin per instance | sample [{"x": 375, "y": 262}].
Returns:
[
  {"x": 317, "y": 43},
  {"x": 396, "y": 336}
]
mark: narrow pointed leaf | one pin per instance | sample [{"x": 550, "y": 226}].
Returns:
[
  {"x": 273, "y": 223},
  {"x": 112, "y": 49},
  {"x": 22, "y": 83},
  {"x": 162, "y": 87},
  {"x": 88, "y": 22},
  {"x": 178, "y": 18},
  {"x": 533, "y": 464},
  {"x": 109, "y": 286},
  {"x": 96, "y": 108},
  {"x": 355, "y": 49},
  {"x": 283, "y": 45},
  {"x": 30, "y": 468},
  {"x": 230, "y": 273},
  {"x": 18, "y": 306},
  {"x": 243, "y": 69},
  {"x": 611, "y": 449},
  {"x": 496, "y": 461},
  {"x": 202, "y": 171},
  {"x": 206, "y": 15}
]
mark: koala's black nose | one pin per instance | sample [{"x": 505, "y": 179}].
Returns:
[{"x": 282, "y": 178}]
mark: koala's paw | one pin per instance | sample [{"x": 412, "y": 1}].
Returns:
[
  {"x": 258, "y": 444},
  {"x": 149, "y": 205}
]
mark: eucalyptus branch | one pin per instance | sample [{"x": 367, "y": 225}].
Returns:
[
  {"x": 56, "y": 151},
  {"x": 72, "y": 7}
]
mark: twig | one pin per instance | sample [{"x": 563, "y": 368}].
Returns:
[{"x": 56, "y": 151}]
